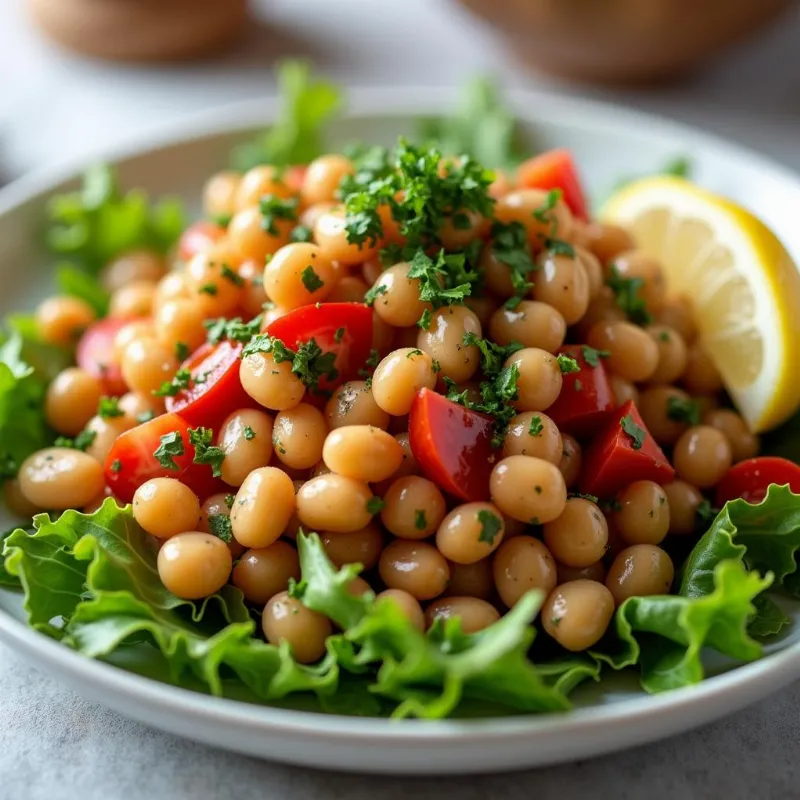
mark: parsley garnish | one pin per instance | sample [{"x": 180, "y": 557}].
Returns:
[
  {"x": 311, "y": 280},
  {"x": 626, "y": 291},
  {"x": 274, "y": 208},
  {"x": 683, "y": 410},
  {"x": 145, "y": 416},
  {"x": 108, "y": 407},
  {"x": 204, "y": 452},
  {"x": 420, "y": 522},
  {"x": 664, "y": 336},
  {"x": 231, "y": 275},
  {"x": 339, "y": 335},
  {"x": 536, "y": 427},
  {"x": 493, "y": 356},
  {"x": 414, "y": 352},
  {"x": 706, "y": 513},
  {"x": 443, "y": 282},
  {"x": 220, "y": 526},
  {"x": 373, "y": 359},
  {"x": 233, "y": 329},
  {"x": 510, "y": 247},
  {"x": 249, "y": 433},
  {"x": 371, "y": 295},
  {"x": 590, "y": 497},
  {"x": 182, "y": 351},
  {"x": 491, "y": 525},
  {"x": 116, "y": 465},
  {"x": 208, "y": 288},
  {"x": 229, "y": 499},
  {"x": 591, "y": 356},
  {"x": 424, "y": 321},
  {"x": 81, "y": 442},
  {"x": 171, "y": 445},
  {"x": 301, "y": 233},
  {"x": 567, "y": 364},
  {"x": 374, "y": 505},
  {"x": 176, "y": 385},
  {"x": 310, "y": 364},
  {"x": 633, "y": 430}
]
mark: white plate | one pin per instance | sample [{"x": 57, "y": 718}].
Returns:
[{"x": 608, "y": 142}]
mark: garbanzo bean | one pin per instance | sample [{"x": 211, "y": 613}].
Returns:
[
  {"x": 531, "y": 323},
  {"x": 172, "y": 286},
  {"x": 249, "y": 238},
  {"x": 533, "y": 434},
  {"x": 701, "y": 375},
  {"x": 251, "y": 294},
  {"x": 354, "y": 547},
  {"x": 443, "y": 340},
  {"x": 623, "y": 390},
  {"x": 683, "y": 500},
  {"x": 483, "y": 308},
  {"x": 408, "y": 466},
  {"x": 475, "y": 614},
  {"x": 219, "y": 194},
  {"x": 471, "y": 580},
  {"x": 643, "y": 513},
  {"x": 322, "y": 178},
  {"x": 165, "y": 507},
  {"x": 602, "y": 308},
  {"x": 496, "y": 273},
  {"x": 139, "y": 407},
  {"x": 330, "y": 234},
  {"x": 61, "y": 320},
  {"x": 212, "y": 284},
  {"x": 578, "y": 537},
  {"x": 409, "y": 606},
  {"x": 471, "y": 226},
  {"x": 413, "y": 508},
  {"x": 539, "y": 382},
  {"x": 470, "y": 533},
  {"x": 397, "y": 299},
  {"x": 571, "y": 459},
  {"x": 246, "y": 439},
  {"x": 299, "y": 435},
  {"x": 382, "y": 335},
  {"x": 16, "y": 502},
  {"x": 677, "y": 313},
  {"x": 216, "y": 505},
  {"x": 633, "y": 354},
  {"x": 415, "y": 567},
  {"x": 672, "y": 354},
  {"x": 352, "y": 403},
  {"x": 271, "y": 383},
  {"x": 257, "y": 182},
  {"x": 664, "y": 410},
  {"x": 286, "y": 619},
  {"x": 637, "y": 264},
  {"x": 71, "y": 400},
  {"x": 128, "y": 333},
  {"x": 592, "y": 267},
  {"x": 399, "y": 377},
  {"x": 607, "y": 241},
  {"x": 531, "y": 490},
  {"x": 134, "y": 300},
  {"x": 362, "y": 452},
  {"x": 263, "y": 506},
  {"x": 180, "y": 320},
  {"x": 299, "y": 274},
  {"x": 562, "y": 282},
  {"x": 358, "y": 587},
  {"x": 640, "y": 571},
  {"x": 59, "y": 477},
  {"x": 135, "y": 265},
  {"x": 744, "y": 444},
  {"x": 576, "y": 614},
  {"x": 702, "y": 456},
  {"x": 594, "y": 572},
  {"x": 194, "y": 565},
  {"x": 348, "y": 289},
  {"x": 334, "y": 503},
  {"x": 261, "y": 574},
  {"x": 147, "y": 364},
  {"x": 535, "y": 211},
  {"x": 521, "y": 564},
  {"x": 106, "y": 432}
]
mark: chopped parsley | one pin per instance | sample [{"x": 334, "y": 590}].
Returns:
[
  {"x": 567, "y": 364},
  {"x": 249, "y": 433},
  {"x": 234, "y": 329},
  {"x": 664, "y": 336},
  {"x": 208, "y": 288},
  {"x": 145, "y": 416},
  {"x": 301, "y": 233},
  {"x": 108, "y": 407},
  {"x": 510, "y": 247},
  {"x": 204, "y": 452},
  {"x": 374, "y": 505},
  {"x": 278, "y": 445},
  {"x": 339, "y": 335},
  {"x": 371, "y": 295},
  {"x": 592, "y": 357},
  {"x": 229, "y": 500},
  {"x": 626, "y": 291},
  {"x": 231, "y": 275},
  {"x": 171, "y": 445},
  {"x": 590, "y": 497},
  {"x": 176, "y": 385},
  {"x": 414, "y": 352},
  {"x": 310, "y": 364},
  {"x": 444, "y": 281},
  {"x": 491, "y": 525},
  {"x": 682, "y": 409},
  {"x": 424, "y": 321},
  {"x": 116, "y": 465},
  {"x": 706, "y": 513},
  {"x": 311, "y": 280},
  {"x": 536, "y": 427},
  {"x": 220, "y": 526},
  {"x": 274, "y": 208},
  {"x": 373, "y": 359},
  {"x": 81, "y": 442},
  {"x": 420, "y": 521},
  {"x": 493, "y": 356},
  {"x": 634, "y": 431},
  {"x": 182, "y": 351}
]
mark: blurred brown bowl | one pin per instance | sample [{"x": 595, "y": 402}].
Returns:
[{"x": 624, "y": 41}]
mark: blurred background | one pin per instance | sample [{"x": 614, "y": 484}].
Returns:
[{"x": 78, "y": 75}]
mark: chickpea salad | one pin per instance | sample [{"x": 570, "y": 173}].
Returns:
[{"x": 399, "y": 431}]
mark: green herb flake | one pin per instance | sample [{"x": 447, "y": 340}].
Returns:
[
  {"x": 424, "y": 321},
  {"x": 229, "y": 500},
  {"x": 301, "y": 233},
  {"x": 420, "y": 521},
  {"x": 274, "y": 208},
  {"x": 567, "y": 364},
  {"x": 116, "y": 465},
  {"x": 491, "y": 526},
  {"x": 108, "y": 408},
  {"x": 204, "y": 452},
  {"x": 220, "y": 526},
  {"x": 171, "y": 445},
  {"x": 683, "y": 409},
  {"x": 171, "y": 388},
  {"x": 536, "y": 427},
  {"x": 208, "y": 288},
  {"x": 182, "y": 351},
  {"x": 706, "y": 513},
  {"x": 339, "y": 335},
  {"x": 145, "y": 416},
  {"x": 371, "y": 295},
  {"x": 249, "y": 433},
  {"x": 374, "y": 505},
  {"x": 634, "y": 431},
  {"x": 592, "y": 356},
  {"x": 626, "y": 291},
  {"x": 311, "y": 280}
]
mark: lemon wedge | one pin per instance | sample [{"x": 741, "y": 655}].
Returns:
[{"x": 743, "y": 286}]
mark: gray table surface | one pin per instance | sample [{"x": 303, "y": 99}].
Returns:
[{"x": 54, "y": 744}]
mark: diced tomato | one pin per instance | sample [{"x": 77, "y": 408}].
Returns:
[
  {"x": 95, "y": 353},
  {"x": 341, "y": 328},
  {"x": 452, "y": 445},
  {"x": 555, "y": 169},
  {"x": 131, "y": 461},
  {"x": 586, "y": 396},
  {"x": 219, "y": 391},
  {"x": 623, "y": 452},
  {"x": 294, "y": 176},
  {"x": 198, "y": 238},
  {"x": 750, "y": 479}
]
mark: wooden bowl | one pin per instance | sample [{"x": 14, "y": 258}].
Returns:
[
  {"x": 141, "y": 30},
  {"x": 624, "y": 41}
]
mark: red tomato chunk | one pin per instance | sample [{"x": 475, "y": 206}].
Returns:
[{"x": 750, "y": 479}]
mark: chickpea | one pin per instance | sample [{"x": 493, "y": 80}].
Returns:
[
  {"x": 258, "y": 182},
  {"x": 539, "y": 382},
  {"x": 701, "y": 375},
  {"x": 502, "y": 184},
  {"x": 217, "y": 505},
  {"x": 415, "y": 567},
  {"x": 362, "y": 452},
  {"x": 663, "y": 412},
  {"x": 591, "y": 265},
  {"x": 334, "y": 503},
  {"x": 633, "y": 354},
  {"x": 683, "y": 501},
  {"x": 261, "y": 574},
  {"x": 623, "y": 390},
  {"x": 271, "y": 383},
  {"x": 413, "y": 508},
  {"x": 408, "y": 466},
  {"x": 408, "y": 606},
  {"x": 180, "y": 320},
  {"x": 299, "y": 435},
  {"x": 475, "y": 614},
  {"x": 577, "y": 614},
  {"x": 637, "y": 264},
  {"x": 139, "y": 407},
  {"x": 135, "y": 265},
  {"x": 59, "y": 477},
  {"x": 140, "y": 330},
  {"x": 219, "y": 194},
  {"x": 535, "y": 211},
  {"x": 471, "y": 580},
  {"x": 602, "y": 308},
  {"x": 397, "y": 301},
  {"x": 165, "y": 507},
  {"x": 676, "y": 313},
  {"x": 571, "y": 459},
  {"x": 249, "y": 238},
  {"x": 382, "y": 335},
  {"x": 496, "y": 273},
  {"x": 134, "y": 300},
  {"x": 531, "y": 323},
  {"x": 322, "y": 178},
  {"x": 212, "y": 284},
  {"x": 192, "y": 565},
  {"x": 298, "y": 274},
  {"x": 399, "y": 377},
  {"x": 147, "y": 364},
  {"x": 352, "y": 403},
  {"x": 443, "y": 340},
  {"x": 469, "y": 227},
  {"x": 640, "y": 571},
  {"x": 61, "y": 320},
  {"x": 263, "y": 507},
  {"x": 246, "y": 439},
  {"x": 331, "y": 236},
  {"x": 286, "y": 619},
  {"x": 348, "y": 289},
  {"x": 71, "y": 400},
  {"x": 702, "y": 456},
  {"x": 358, "y": 587},
  {"x": 643, "y": 513},
  {"x": 521, "y": 564},
  {"x": 562, "y": 282},
  {"x": 594, "y": 572},
  {"x": 483, "y": 308},
  {"x": 251, "y": 294},
  {"x": 172, "y": 286},
  {"x": 532, "y": 434},
  {"x": 672, "y": 354},
  {"x": 16, "y": 502},
  {"x": 105, "y": 432},
  {"x": 531, "y": 490},
  {"x": 354, "y": 547},
  {"x": 470, "y": 533},
  {"x": 607, "y": 241},
  {"x": 371, "y": 270},
  {"x": 744, "y": 444},
  {"x": 578, "y": 537}
]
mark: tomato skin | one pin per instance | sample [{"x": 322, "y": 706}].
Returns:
[
  {"x": 452, "y": 445},
  {"x": 137, "y": 464},
  {"x": 750, "y": 479},
  {"x": 581, "y": 411},
  {"x": 94, "y": 351},
  {"x": 320, "y": 323},
  {"x": 198, "y": 238},
  {"x": 555, "y": 169},
  {"x": 208, "y": 403},
  {"x": 611, "y": 463}
]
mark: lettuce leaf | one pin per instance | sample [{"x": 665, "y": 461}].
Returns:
[{"x": 74, "y": 281}]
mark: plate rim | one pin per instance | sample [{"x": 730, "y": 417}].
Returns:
[{"x": 403, "y": 103}]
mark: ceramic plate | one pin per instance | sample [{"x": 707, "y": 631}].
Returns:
[{"x": 609, "y": 143}]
